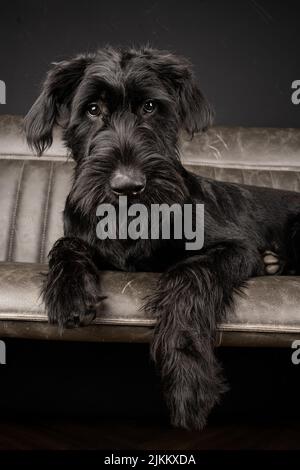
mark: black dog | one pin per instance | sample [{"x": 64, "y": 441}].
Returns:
[{"x": 122, "y": 110}]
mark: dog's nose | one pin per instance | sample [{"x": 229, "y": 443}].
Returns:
[{"x": 127, "y": 182}]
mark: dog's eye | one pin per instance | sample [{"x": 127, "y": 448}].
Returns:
[
  {"x": 93, "y": 109},
  {"x": 149, "y": 106}
]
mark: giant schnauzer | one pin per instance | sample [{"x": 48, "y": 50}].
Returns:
[{"x": 121, "y": 111}]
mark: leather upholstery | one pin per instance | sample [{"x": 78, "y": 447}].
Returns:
[
  {"x": 262, "y": 310},
  {"x": 32, "y": 195}
]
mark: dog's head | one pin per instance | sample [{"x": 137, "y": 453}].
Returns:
[{"x": 121, "y": 111}]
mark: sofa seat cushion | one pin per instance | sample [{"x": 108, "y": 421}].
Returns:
[{"x": 268, "y": 305}]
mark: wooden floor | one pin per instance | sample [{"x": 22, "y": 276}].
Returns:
[
  {"x": 146, "y": 436},
  {"x": 57, "y": 396}
]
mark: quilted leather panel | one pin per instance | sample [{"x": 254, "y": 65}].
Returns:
[{"x": 32, "y": 196}]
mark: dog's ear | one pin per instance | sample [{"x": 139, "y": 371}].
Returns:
[
  {"x": 194, "y": 111},
  {"x": 57, "y": 92}
]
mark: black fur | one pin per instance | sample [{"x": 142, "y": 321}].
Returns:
[{"x": 196, "y": 288}]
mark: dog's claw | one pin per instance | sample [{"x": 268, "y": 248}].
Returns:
[{"x": 73, "y": 307}]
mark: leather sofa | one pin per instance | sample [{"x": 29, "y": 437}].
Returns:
[{"x": 32, "y": 195}]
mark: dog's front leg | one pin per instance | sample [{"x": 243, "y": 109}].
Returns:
[
  {"x": 71, "y": 287},
  {"x": 190, "y": 299}
]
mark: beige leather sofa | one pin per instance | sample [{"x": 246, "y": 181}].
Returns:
[{"x": 32, "y": 194}]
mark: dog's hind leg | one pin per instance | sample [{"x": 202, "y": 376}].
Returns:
[
  {"x": 189, "y": 301},
  {"x": 71, "y": 287}
]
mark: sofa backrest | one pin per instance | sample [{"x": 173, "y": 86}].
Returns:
[{"x": 33, "y": 190}]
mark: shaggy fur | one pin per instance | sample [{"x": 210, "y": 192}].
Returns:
[{"x": 195, "y": 289}]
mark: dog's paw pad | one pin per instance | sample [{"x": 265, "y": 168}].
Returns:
[{"x": 272, "y": 262}]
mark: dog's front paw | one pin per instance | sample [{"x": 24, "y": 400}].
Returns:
[
  {"x": 182, "y": 349},
  {"x": 71, "y": 298},
  {"x": 193, "y": 381}
]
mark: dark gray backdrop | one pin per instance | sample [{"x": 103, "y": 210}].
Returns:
[{"x": 246, "y": 52}]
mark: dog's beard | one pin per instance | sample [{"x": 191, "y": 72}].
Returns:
[{"x": 165, "y": 184}]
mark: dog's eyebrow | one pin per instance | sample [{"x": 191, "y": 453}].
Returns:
[
  {"x": 96, "y": 82},
  {"x": 147, "y": 92},
  {"x": 157, "y": 95},
  {"x": 92, "y": 87}
]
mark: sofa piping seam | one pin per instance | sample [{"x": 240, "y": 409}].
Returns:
[
  {"x": 45, "y": 221},
  {"x": 14, "y": 215}
]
